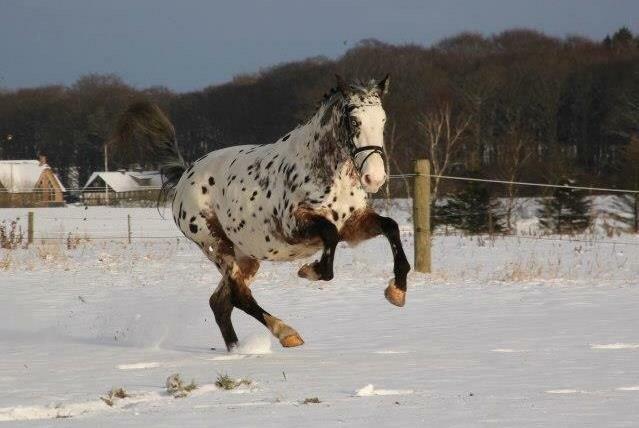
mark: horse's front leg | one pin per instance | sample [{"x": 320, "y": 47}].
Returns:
[
  {"x": 320, "y": 227},
  {"x": 368, "y": 224}
]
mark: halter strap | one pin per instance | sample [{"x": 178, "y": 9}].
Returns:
[{"x": 373, "y": 149}]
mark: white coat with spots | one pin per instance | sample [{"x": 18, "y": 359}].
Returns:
[{"x": 281, "y": 201}]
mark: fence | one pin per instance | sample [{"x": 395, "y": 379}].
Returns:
[{"x": 131, "y": 228}]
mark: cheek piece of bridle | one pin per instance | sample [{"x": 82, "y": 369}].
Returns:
[{"x": 354, "y": 151}]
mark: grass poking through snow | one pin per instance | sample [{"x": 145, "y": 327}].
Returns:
[
  {"x": 224, "y": 381},
  {"x": 177, "y": 388},
  {"x": 115, "y": 394}
]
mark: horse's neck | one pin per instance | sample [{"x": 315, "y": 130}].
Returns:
[{"x": 319, "y": 145}]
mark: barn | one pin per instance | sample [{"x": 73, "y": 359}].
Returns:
[
  {"x": 122, "y": 186},
  {"x": 29, "y": 183}
]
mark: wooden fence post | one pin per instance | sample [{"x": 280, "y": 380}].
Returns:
[
  {"x": 128, "y": 223},
  {"x": 636, "y": 212},
  {"x": 30, "y": 228},
  {"x": 421, "y": 216}
]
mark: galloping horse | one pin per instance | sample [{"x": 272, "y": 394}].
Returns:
[{"x": 283, "y": 201}]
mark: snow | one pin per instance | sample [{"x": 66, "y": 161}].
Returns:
[{"x": 505, "y": 331}]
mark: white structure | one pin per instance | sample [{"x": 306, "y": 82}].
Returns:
[
  {"x": 124, "y": 181},
  {"x": 111, "y": 187}
]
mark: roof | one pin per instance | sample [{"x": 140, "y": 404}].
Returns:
[
  {"x": 20, "y": 176},
  {"x": 126, "y": 181}
]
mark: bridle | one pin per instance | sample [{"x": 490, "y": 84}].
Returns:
[{"x": 354, "y": 151}]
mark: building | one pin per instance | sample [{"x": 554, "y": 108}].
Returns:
[
  {"x": 117, "y": 187},
  {"x": 29, "y": 183}
]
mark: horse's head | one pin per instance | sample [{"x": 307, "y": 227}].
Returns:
[{"x": 362, "y": 122}]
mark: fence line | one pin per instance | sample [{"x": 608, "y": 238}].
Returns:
[
  {"x": 519, "y": 183},
  {"x": 391, "y": 176},
  {"x": 496, "y": 235}
]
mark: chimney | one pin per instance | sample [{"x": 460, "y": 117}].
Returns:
[{"x": 42, "y": 159}]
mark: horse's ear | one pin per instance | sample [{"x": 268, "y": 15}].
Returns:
[
  {"x": 382, "y": 86},
  {"x": 342, "y": 86}
]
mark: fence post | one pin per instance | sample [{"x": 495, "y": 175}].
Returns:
[
  {"x": 421, "y": 216},
  {"x": 128, "y": 224},
  {"x": 636, "y": 212},
  {"x": 30, "y": 228}
]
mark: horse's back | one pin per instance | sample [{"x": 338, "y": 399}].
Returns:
[{"x": 200, "y": 193}]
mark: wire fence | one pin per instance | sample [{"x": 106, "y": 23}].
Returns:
[{"x": 158, "y": 228}]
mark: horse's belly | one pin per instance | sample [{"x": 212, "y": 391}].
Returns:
[{"x": 277, "y": 250}]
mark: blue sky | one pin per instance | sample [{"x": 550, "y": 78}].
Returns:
[{"x": 186, "y": 45}]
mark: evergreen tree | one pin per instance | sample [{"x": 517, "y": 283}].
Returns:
[
  {"x": 473, "y": 211},
  {"x": 566, "y": 211}
]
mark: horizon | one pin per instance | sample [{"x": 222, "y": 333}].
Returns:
[{"x": 190, "y": 47}]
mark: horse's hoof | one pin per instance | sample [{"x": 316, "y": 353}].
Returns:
[
  {"x": 308, "y": 271},
  {"x": 291, "y": 341},
  {"x": 394, "y": 295}
]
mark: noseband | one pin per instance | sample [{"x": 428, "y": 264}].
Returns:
[{"x": 371, "y": 151}]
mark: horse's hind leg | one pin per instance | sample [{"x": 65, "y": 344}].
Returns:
[
  {"x": 222, "y": 306},
  {"x": 368, "y": 224},
  {"x": 240, "y": 272}
]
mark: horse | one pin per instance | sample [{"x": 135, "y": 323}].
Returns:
[{"x": 283, "y": 201}]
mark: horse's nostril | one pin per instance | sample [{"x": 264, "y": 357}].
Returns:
[{"x": 367, "y": 179}]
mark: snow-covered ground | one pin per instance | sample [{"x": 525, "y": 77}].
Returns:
[{"x": 515, "y": 331}]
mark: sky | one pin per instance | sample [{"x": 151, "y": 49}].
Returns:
[{"x": 189, "y": 44}]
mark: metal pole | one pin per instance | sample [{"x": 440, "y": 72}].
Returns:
[{"x": 421, "y": 216}]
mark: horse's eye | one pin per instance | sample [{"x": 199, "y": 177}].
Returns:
[{"x": 354, "y": 122}]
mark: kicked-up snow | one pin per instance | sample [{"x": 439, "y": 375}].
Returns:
[{"x": 505, "y": 332}]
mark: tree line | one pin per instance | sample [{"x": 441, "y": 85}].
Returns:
[{"x": 518, "y": 105}]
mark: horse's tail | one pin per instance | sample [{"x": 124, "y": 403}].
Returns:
[{"x": 144, "y": 134}]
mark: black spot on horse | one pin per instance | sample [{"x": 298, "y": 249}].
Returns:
[
  {"x": 268, "y": 195},
  {"x": 335, "y": 215},
  {"x": 351, "y": 209},
  {"x": 204, "y": 190},
  {"x": 193, "y": 228},
  {"x": 267, "y": 238},
  {"x": 211, "y": 181}
]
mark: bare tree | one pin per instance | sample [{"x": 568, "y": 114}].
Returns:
[
  {"x": 444, "y": 132},
  {"x": 513, "y": 152}
]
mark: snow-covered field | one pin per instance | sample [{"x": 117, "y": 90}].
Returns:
[{"x": 505, "y": 332}]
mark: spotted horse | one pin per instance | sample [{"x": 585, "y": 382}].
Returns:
[{"x": 278, "y": 202}]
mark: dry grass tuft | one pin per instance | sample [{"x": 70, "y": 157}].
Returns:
[
  {"x": 311, "y": 400},
  {"x": 177, "y": 388},
  {"x": 115, "y": 394},
  {"x": 11, "y": 235},
  {"x": 224, "y": 381}
]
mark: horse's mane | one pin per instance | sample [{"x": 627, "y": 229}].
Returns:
[{"x": 359, "y": 87}]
